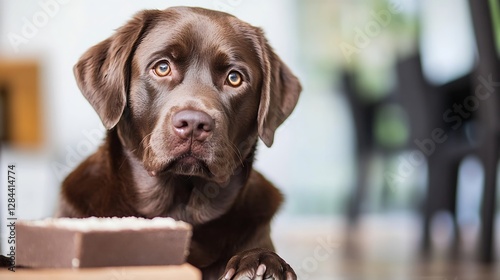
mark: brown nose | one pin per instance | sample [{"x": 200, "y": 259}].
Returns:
[{"x": 195, "y": 124}]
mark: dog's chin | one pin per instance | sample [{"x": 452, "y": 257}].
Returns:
[{"x": 188, "y": 165}]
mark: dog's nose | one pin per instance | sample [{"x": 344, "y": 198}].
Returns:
[{"x": 196, "y": 124}]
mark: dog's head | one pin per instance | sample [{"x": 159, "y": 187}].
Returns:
[{"x": 188, "y": 90}]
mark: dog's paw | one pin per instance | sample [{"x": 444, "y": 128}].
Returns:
[{"x": 258, "y": 264}]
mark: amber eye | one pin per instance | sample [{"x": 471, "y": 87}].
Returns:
[
  {"x": 234, "y": 79},
  {"x": 162, "y": 68}
]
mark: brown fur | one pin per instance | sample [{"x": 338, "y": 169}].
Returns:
[{"x": 145, "y": 169}]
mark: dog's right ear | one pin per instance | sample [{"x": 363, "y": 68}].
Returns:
[{"x": 103, "y": 72}]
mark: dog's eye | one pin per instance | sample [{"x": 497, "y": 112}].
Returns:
[
  {"x": 234, "y": 79},
  {"x": 162, "y": 69}
]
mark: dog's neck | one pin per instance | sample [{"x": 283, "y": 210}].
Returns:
[{"x": 188, "y": 198}]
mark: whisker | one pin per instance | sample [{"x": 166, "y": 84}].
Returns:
[
  {"x": 148, "y": 146},
  {"x": 237, "y": 152},
  {"x": 145, "y": 138}
]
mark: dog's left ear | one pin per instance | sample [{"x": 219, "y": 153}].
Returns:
[
  {"x": 280, "y": 92},
  {"x": 102, "y": 73}
]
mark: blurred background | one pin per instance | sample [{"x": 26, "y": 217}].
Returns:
[{"x": 389, "y": 163}]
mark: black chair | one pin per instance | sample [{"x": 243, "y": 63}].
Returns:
[
  {"x": 489, "y": 120},
  {"x": 443, "y": 132},
  {"x": 472, "y": 130}
]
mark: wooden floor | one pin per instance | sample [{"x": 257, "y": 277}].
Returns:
[{"x": 382, "y": 248}]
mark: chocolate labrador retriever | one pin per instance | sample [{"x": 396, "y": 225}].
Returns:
[{"x": 185, "y": 93}]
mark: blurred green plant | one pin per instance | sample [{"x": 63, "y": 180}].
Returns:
[
  {"x": 495, "y": 14},
  {"x": 391, "y": 127}
]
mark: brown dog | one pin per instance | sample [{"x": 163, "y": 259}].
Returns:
[{"x": 185, "y": 93}]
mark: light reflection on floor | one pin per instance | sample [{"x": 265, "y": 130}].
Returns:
[{"x": 383, "y": 247}]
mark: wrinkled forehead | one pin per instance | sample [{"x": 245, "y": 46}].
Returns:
[{"x": 189, "y": 35}]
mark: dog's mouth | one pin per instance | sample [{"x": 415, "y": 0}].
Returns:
[{"x": 187, "y": 164}]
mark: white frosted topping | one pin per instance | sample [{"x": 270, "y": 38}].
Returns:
[{"x": 109, "y": 224}]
